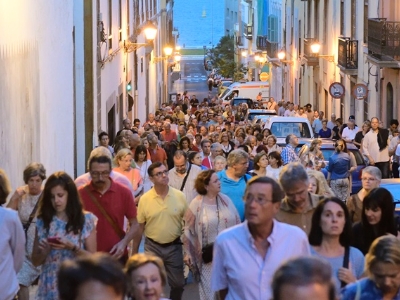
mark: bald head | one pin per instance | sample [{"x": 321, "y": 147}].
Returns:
[{"x": 133, "y": 139}]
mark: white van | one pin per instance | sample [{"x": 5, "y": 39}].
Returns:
[
  {"x": 281, "y": 127},
  {"x": 246, "y": 90}
]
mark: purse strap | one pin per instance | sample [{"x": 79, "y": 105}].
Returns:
[
  {"x": 186, "y": 176},
  {"x": 345, "y": 262},
  {"x": 31, "y": 216},
  {"x": 118, "y": 230}
]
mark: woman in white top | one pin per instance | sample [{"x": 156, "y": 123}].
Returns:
[
  {"x": 275, "y": 164},
  {"x": 143, "y": 165}
]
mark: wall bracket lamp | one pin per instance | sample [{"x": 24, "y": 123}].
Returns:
[
  {"x": 150, "y": 32},
  {"x": 315, "y": 47}
]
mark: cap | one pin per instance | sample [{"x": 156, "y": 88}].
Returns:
[{"x": 352, "y": 117}]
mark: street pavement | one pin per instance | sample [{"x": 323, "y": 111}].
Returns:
[{"x": 193, "y": 78}]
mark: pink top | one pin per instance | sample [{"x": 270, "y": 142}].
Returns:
[{"x": 133, "y": 175}]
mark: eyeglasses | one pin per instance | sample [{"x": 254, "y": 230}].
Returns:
[
  {"x": 368, "y": 179},
  {"x": 259, "y": 200},
  {"x": 98, "y": 174},
  {"x": 161, "y": 173}
]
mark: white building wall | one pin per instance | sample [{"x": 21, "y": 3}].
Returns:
[{"x": 36, "y": 86}]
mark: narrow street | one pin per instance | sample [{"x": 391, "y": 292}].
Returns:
[{"x": 193, "y": 78}]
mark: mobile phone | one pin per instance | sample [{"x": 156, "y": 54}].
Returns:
[{"x": 53, "y": 240}]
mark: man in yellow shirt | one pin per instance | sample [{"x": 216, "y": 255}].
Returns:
[{"x": 160, "y": 216}]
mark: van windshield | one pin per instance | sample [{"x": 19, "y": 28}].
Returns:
[
  {"x": 226, "y": 92},
  {"x": 283, "y": 129}
]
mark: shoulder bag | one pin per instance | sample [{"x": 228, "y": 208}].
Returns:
[
  {"x": 31, "y": 217},
  {"x": 207, "y": 250},
  {"x": 186, "y": 176},
  {"x": 345, "y": 263},
  {"x": 117, "y": 230}
]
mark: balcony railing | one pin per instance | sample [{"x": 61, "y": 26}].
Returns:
[
  {"x": 272, "y": 49},
  {"x": 261, "y": 43},
  {"x": 383, "y": 38},
  {"x": 348, "y": 53}
]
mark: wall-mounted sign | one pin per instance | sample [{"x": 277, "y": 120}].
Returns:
[
  {"x": 336, "y": 90},
  {"x": 360, "y": 91}
]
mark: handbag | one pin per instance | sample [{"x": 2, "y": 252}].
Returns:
[
  {"x": 207, "y": 250},
  {"x": 207, "y": 253}
]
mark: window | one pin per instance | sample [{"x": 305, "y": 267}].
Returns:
[
  {"x": 309, "y": 18},
  {"x": 325, "y": 35},
  {"x": 353, "y": 19},
  {"x": 109, "y": 24},
  {"x": 366, "y": 21},
  {"x": 342, "y": 18},
  {"x": 273, "y": 28},
  {"x": 119, "y": 20},
  {"x": 316, "y": 19},
  {"x": 128, "y": 19}
]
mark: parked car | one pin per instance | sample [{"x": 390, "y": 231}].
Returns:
[
  {"x": 251, "y": 113},
  {"x": 393, "y": 186},
  {"x": 328, "y": 148},
  {"x": 236, "y": 101}
]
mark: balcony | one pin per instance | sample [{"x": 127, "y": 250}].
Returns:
[
  {"x": 272, "y": 51},
  {"x": 248, "y": 31},
  {"x": 384, "y": 43},
  {"x": 261, "y": 43},
  {"x": 348, "y": 56},
  {"x": 310, "y": 58}
]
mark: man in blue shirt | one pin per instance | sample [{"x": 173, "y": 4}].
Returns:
[
  {"x": 234, "y": 179},
  {"x": 289, "y": 153}
]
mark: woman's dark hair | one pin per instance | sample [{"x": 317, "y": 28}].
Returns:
[
  {"x": 185, "y": 138},
  {"x": 98, "y": 267},
  {"x": 277, "y": 156},
  {"x": 316, "y": 234},
  {"x": 378, "y": 198},
  {"x": 74, "y": 208},
  {"x": 139, "y": 149},
  {"x": 266, "y": 129},
  {"x": 191, "y": 156},
  {"x": 202, "y": 180}
]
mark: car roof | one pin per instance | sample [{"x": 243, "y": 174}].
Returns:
[
  {"x": 262, "y": 111},
  {"x": 289, "y": 119},
  {"x": 326, "y": 143}
]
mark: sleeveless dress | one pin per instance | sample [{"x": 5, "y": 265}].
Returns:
[{"x": 47, "y": 289}]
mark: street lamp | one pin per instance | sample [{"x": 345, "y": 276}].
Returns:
[
  {"x": 281, "y": 57},
  {"x": 316, "y": 47},
  {"x": 150, "y": 32}
]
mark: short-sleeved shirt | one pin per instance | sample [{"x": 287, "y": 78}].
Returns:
[
  {"x": 163, "y": 218},
  {"x": 301, "y": 220},
  {"x": 239, "y": 267},
  {"x": 356, "y": 264},
  {"x": 368, "y": 291},
  {"x": 234, "y": 190},
  {"x": 118, "y": 202},
  {"x": 158, "y": 154}
]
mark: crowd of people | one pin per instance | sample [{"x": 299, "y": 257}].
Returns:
[{"x": 197, "y": 186}]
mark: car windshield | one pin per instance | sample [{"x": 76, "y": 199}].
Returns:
[
  {"x": 252, "y": 115},
  {"x": 283, "y": 129},
  {"x": 226, "y": 83},
  {"x": 239, "y": 101}
]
